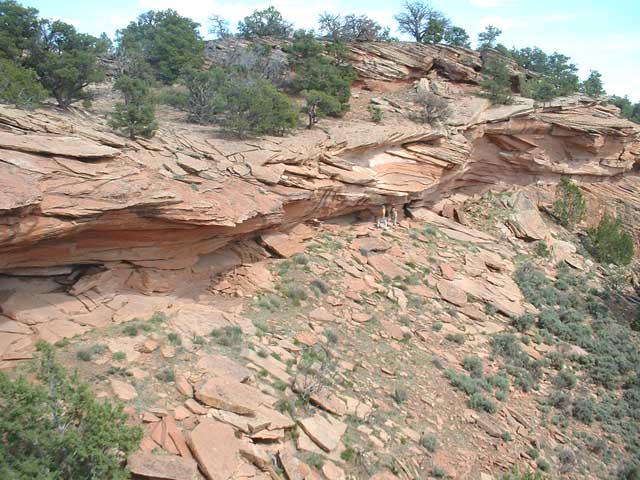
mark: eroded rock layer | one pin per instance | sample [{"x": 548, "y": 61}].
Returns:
[{"x": 74, "y": 194}]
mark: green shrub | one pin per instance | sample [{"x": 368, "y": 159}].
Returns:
[
  {"x": 206, "y": 95},
  {"x": 480, "y": 402},
  {"x": 523, "y": 322},
  {"x": 376, "y": 113},
  {"x": 172, "y": 97},
  {"x": 264, "y": 23},
  {"x": 58, "y": 429},
  {"x": 87, "y": 354},
  {"x": 565, "y": 379},
  {"x": 20, "y": 86},
  {"x": 569, "y": 206},
  {"x": 228, "y": 336},
  {"x": 348, "y": 454},
  {"x": 131, "y": 329},
  {"x": 66, "y": 61},
  {"x": 473, "y": 365},
  {"x": 258, "y": 108},
  {"x": 541, "y": 249},
  {"x": 400, "y": 395},
  {"x": 583, "y": 409},
  {"x": 455, "y": 338},
  {"x": 322, "y": 76},
  {"x": 433, "y": 109},
  {"x": 438, "y": 472},
  {"x": 295, "y": 293},
  {"x": 167, "y": 42},
  {"x": 136, "y": 117},
  {"x": 543, "y": 464},
  {"x": 174, "y": 338},
  {"x": 609, "y": 242},
  {"x": 319, "y": 105},
  {"x": 497, "y": 82},
  {"x": 429, "y": 442},
  {"x": 166, "y": 375},
  {"x": 119, "y": 356},
  {"x": 516, "y": 475},
  {"x": 319, "y": 287}
]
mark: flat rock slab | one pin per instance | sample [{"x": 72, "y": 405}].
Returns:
[
  {"x": 220, "y": 366},
  {"x": 123, "y": 390},
  {"x": 196, "y": 319},
  {"x": 227, "y": 394},
  {"x": 282, "y": 244},
  {"x": 322, "y": 315},
  {"x": 56, "y": 330},
  {"x": 325, "y": 432},
  {"x": 217, "y": 450},
  {"x": 55, "y": 145},
  {"x": 451, "y": 293},
  {"x": 162, "y": 467},
  {"x": 387, "y": 266}
]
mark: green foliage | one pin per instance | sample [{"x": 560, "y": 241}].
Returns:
[
  {"x": 497, "y": 82},
  {"x": 130, "y": 330},
  {"x": 265, "y": 23},
  {"x": 433, "y": 108},
  {"x": 473, "y": 365},
  {"x": 351, "y": 28},
  {"x": 455, "y": 338},
  {"x": 19, "y": 29},
  {"x": 136, "y": 117},
  {"x": 65, "y": 61},
  {"x": 523, "y": 322},
  {"x": 479, "y": 402},
  {"x": 540, "y": 89},
  {"x": 241, "y": 104},
  {"x": 516, "y": 475},
  {"x": 457, "y": 37},
  {"x": 609, "y": 242},
  {"x": 565, "y": 379},
  {"x": 569, "y": 206},
  {"x": 87, "y": 354},
  {"x": 20, "y": 86},
  {"x": 228, "y": 336},
  {"x": 487, "y": 38},
  {"x": 167, "y": 42},
  {"x": 58, "y": 429},
  {"x": 258, "y": 108},
  {"x": 119, "y": 356},
  {"x": 541, "y": 249},
  {"x": 427, "y": 25},
  {"x": 206, "y": 93},
  {"x": 592, "y": 86},
  {"x": 628, "y": 109},
  {"x": 323, "y": 78},
  {"x": 558, "y": 77},
  {"x": 319, "y": 104},
  {"x": 166, "y": 375},
  {"x": 429, "y": 442},
  {"x": 375, "y": 112},
  {"x": 400, "y": 395}
]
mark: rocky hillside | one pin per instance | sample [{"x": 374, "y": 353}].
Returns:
[{"x": 297, "y": 336}]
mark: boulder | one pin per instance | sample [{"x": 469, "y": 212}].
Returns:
[
  {"x": 325, "y": 431},
  {"x": 162, "y": 467}
]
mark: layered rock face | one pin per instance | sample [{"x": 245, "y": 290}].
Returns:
[{"x": 75, "y": 194}]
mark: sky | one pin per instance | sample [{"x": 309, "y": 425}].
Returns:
[{"x": 601, "y": 35}]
